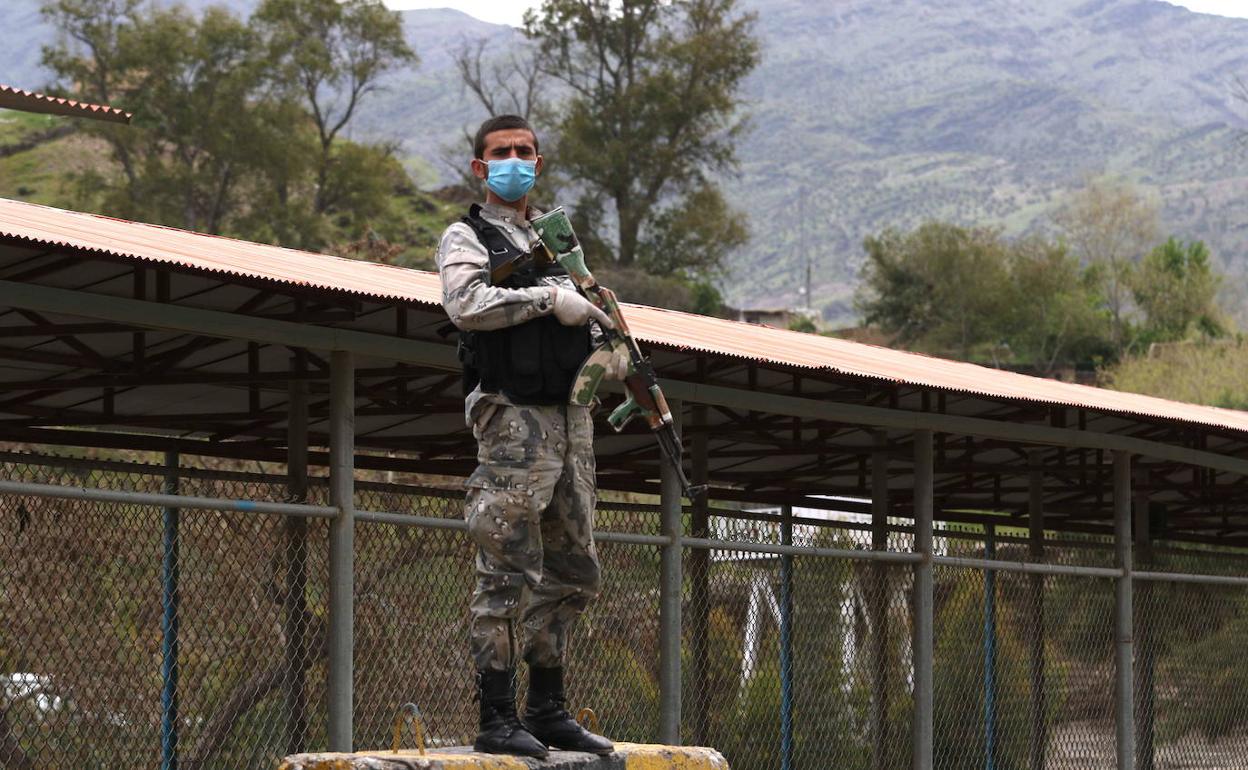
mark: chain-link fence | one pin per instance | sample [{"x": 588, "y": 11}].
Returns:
[{"x": 135, "y": 632}]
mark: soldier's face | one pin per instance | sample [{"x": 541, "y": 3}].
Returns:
[{"x": 507, "y": 143}]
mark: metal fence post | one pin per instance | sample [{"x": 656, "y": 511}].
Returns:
[
  {"x": 990, "y": 651},
  {"x": 699, "y": 587},
  {"x": 786, "y": 641},
  {"x": 1123, "y": 613},
  {"x": 877, "y": 605},
  {"x": 923, "y": 601},
  {"x": 295, "y": 610},
  {"x": 1039, "y": 706},
  {"x": 169, "y": 600},
  {"x": 341, "y": 549},
  {"x": 669, "y": 600},
  {"x": 1145, "y": 645}
]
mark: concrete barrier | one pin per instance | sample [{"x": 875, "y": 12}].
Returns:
[{"x": 627, "y": 756}]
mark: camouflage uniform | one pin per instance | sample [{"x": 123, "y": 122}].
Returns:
[{"x": 530, "y": 503}]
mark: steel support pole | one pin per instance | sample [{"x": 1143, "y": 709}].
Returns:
[
  {"x": 169, "y": 600},
  {"x": 877, "y": 606},
  {"x": 1036, "y": 632},
  {"x": 669, "y": 599},
  {"x": 1145, "y": 644},
  {"x": 924, "y": 601},
  {"x": 295, "y": 610},
  {"x": 786, "y": 641},
  {"x": 1123, "y": 613},
  {"x": 341, "y": 549}
]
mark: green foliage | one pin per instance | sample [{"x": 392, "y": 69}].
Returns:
[
  {"x": 1054, "y": 313},
  {"x": 1202, "y": 659},
  {"x": 706, "y": 299},
  {"x": 235, "y": 131},
  {"x": 671, "y": 292},
  {"x": 1208, "y": 372},
  {"x": 969, "y": 293},
  {"x": 959, "y": 687},
  {"x": 651, "y": 117},
  {"x": 803, "y": 324},
  {"x": 692, "y": 236},
  {"x": 329, "y": 54},
  {"x": 974, "y": 295},
  {"x": 1177, "y": 288},
  {"x": 194, "y": 85},
  {"x": 939, "y": 287}
]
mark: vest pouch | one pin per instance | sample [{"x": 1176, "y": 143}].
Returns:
[
  {"x": 526, "y": 348},
  {"x": 572, "y": 347}
]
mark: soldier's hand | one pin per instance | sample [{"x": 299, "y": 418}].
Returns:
[{"x": 574, "y": 310}]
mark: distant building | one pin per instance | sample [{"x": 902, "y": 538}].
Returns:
[{"x": 775, "y": 318}]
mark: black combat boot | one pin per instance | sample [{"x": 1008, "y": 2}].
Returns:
[
  {"x": 546, "y": 715},
  {"x": 501, "y": 731}
]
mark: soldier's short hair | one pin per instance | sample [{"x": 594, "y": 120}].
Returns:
[{"x": 500, "y": 123}]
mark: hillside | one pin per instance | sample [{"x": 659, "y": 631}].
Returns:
[
  {"x": 889, "y": 112},
  {"x": 982, "y": 111}
]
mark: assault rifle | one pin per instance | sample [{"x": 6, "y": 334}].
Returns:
[{"x": 641, "y": 385}]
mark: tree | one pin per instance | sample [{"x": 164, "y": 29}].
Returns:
[
  {"x": 236, "y": 128},
  {"x": 941, "y": 287},
  {"x": 506, "y": 84},
  {"x": 972, "y": 294},
  {"x": 1177, "y": 288},
  {"x": 1110, "y": 226},
  {"x": 195, "y": 86},
  {"x": 331, "y": 55},
  {"x": 650, "y": 119},
  {"x": 1054, "y": 311},
  {"x": 511, "y": 85}
]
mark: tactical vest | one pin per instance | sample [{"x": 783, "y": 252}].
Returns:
[{"x": 534, "y": 362}]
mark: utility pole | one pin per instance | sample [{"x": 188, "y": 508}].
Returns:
[{"x": 802, "y": 245}]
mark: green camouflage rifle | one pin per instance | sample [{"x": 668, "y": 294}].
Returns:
[{"x": 641, "y": 385}]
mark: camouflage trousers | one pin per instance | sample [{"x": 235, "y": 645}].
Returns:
[{"x": 530, "y": 510}]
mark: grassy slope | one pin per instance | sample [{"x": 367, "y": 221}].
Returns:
[{"x": 41, "y": 174}]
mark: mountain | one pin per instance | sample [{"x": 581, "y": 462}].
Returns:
[
  {"x": 874, "y": 113},
  {"x": 890, "y": 112}
]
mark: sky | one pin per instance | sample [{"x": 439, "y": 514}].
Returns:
[
  {"x": 487, "y": 10},
  {"x": 1219, "y": 7},
  {"x": 512, "y": 12}
]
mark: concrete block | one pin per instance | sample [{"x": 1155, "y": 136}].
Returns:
[{"x": 627, "y": 756}]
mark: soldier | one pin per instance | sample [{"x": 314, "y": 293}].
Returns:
[{"x": 530, "y": 502}]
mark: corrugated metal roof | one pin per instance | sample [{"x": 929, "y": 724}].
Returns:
[
  {"x": 51, "y": 226},
  {"x": 29, "y": 101}
]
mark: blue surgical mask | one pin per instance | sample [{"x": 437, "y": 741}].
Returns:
[{"x": 512, "y": 178}]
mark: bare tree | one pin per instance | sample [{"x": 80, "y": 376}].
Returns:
[
  {"x": 1111, "y": 226},
  {"x": 509, "y": 85},
  {"x": 512, "y": 84}
]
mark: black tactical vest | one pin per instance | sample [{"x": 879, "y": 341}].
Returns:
[{"x": 534, "y": 362}]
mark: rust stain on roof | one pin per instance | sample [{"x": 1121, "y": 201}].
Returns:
[
  {"x": 153, "y": 243},
  {"x": 30, "y": 101}
]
